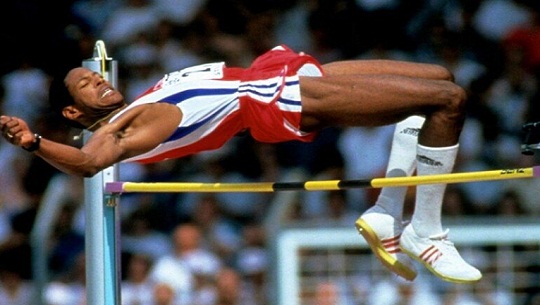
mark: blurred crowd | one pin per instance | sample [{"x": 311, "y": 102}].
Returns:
[{"x": 211, "y": 249}]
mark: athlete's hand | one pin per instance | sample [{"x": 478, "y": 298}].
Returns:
[{"x": 16, "y": 131}]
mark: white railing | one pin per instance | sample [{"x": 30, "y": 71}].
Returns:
[{"x": 307, "y": 257}]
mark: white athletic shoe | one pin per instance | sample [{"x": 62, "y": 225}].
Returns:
[
  {"x": 439, "y": 255},
  {"x": 382, "y": 233}
]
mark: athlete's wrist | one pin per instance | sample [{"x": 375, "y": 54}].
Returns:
[{"x": 34, "y": 145}]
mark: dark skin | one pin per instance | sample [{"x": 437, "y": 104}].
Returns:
[{"x": 351, "y": 93}]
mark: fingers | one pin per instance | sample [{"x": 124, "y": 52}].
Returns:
[{"x": 10, "y": 127}]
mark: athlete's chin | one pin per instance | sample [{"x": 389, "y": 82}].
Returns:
[{"x": 112, "y": 101}]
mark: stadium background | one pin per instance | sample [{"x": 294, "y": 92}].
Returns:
[{"x": 491, "y": 46}]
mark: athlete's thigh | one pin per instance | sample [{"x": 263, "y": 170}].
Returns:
[
  {"x": 391, "y": 67},
  {"x": 368, "y": 100}
]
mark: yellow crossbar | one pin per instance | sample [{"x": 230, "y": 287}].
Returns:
[{"x": 328, "y": 185}]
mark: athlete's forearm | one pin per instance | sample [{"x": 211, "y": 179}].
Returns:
[{"x": 67, "y": 159}]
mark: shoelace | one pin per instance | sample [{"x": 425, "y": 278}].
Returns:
[{"x": 442, "y": 237}]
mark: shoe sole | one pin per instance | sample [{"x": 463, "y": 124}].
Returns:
[
  {"x": 441, "y": 276},
  {"x": 380, "y": 252}
]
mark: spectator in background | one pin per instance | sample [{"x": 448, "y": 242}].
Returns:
[
  {"x": 15, "y": 286},
  {"x": 69, "y": 288},
  {"x": 141, "y": 64},
  {"x": 524, "y": 41},
  {"x": 396, "y": 291},
  {"x": 5, "y": 227},
  {"x": 509, "y": 206},
  {"x": 136, "y": 288},
  {"x": 178, "y": 49},
  {"x": 526, "y": 187},
  {"x": 444, "y": 47},
  {"x": 252, "y": 264},
  {"x": 483, "y": 293},
  {"x": 127, "y": 21},
  {"x": 528, "y": 190},
  {"x": 294, "y": 16},
  {"x": 95, "y": 13},
  {"x": 194, "y": 250},
  {"x": 66, "y": 242},
  {"x": 23, "y": 88},
  {"x": 17, "y": 243},
  {"x": 456, "y": 204},
  {"x": 215, "y": 166},
  {"x": 510, "y": 94},
  {"x": 189, "y": 265},
  {"x": 326, "y": 293},
  {"x": 26, "y": 90},
  {"x": 339, "y": 210},
  {"x": 139, "y": 237},
  {"x": 179, "y": 12},
  {"x": 494, "y": 19},
  {"x": 221, "y": 232},
  {"x": 364, "y": 161},
  {"x": 164, "y": 294},
  {"x": 230, "y": 289},
  {"x": 173, "y": 271}
]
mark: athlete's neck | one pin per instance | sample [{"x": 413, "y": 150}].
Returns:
[{"x": 97, "y": 123}]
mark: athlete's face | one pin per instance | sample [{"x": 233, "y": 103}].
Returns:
[{"x": 91, "y": 92}]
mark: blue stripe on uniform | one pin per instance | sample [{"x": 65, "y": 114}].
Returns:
[
  {"x": 259, "y": 93},
  {"x": 292, "y": 83},
  {"x": 184, "y": 131},
  {"x": 258, "y": 86},
  {"x": 191, "y": 93},
  {"x": 251, "y": 88},
  {"x": 289, "y": 102}
]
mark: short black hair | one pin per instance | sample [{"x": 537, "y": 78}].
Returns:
[{"x": 59, "y": 98}]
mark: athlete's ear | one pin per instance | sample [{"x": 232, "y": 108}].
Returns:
[{"x": 71, "y": 112}]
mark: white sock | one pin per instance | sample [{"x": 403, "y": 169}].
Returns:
[
  {"x": 402, "y": 162},
  {"x": 426, "y": 219}
]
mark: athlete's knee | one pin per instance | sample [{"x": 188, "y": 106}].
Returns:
[{"x": 455, "y": 99}]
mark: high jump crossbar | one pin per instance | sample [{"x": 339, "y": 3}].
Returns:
[{"x": 119, "y": 187}]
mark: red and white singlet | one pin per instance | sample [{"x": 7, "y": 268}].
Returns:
[{"x": 217, "y": 102}]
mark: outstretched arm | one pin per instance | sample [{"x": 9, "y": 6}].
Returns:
[
  {"x": 135, "y": 132},
  {"x": 100, "y": 152}
]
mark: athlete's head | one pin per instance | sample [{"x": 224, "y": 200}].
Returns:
[{"x": 84, "y": 97}]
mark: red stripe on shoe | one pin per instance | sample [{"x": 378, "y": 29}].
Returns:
[
  {"x": 430, "y": 255},
  {"x": 391, "y": 245}
]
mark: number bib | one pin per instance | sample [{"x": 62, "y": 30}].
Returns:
[{"x": 204, "y": 71}]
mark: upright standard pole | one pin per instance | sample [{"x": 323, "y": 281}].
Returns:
[{"x": 102, "y": 221}]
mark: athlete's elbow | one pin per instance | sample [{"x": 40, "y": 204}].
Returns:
[
  {"x": 88, "y": 174},
  {"x": 85, "y": 172},
  {"x": 91, "y": 172}
]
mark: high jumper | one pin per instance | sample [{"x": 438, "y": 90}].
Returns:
[{"x": 283, "y": 96}]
